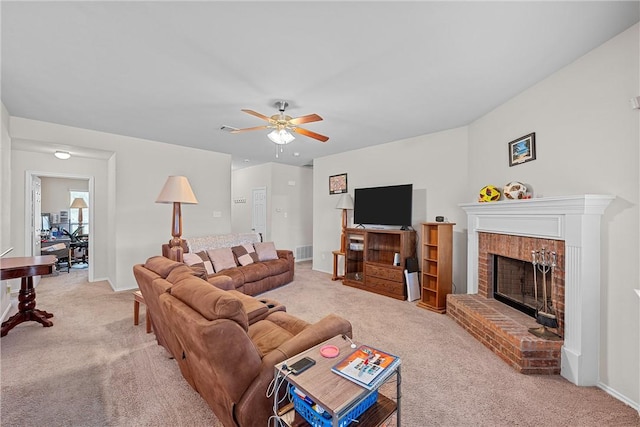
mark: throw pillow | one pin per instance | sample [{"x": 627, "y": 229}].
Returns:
[
  {"x": 222, "y": 259},
  {"x": 266, "y": 251},
  {"x": 200, "y": 259},
  {"x": 246, "y": 254}
]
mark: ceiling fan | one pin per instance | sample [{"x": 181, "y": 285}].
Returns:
[{"x": 282, "y": 124}]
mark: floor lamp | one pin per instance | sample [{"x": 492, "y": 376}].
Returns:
[
  {"x": 177, "y": 191},
  {"x": 345, "y": 203},
  {"x": 79, "y": 203}
]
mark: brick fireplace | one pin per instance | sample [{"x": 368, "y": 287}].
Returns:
[
  {"x": 520, "y": 248},
  {"x": 570, "y": 226}
]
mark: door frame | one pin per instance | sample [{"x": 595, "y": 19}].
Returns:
[
  {"x": 266, "y": 212},
  {"x": 28, "y": 213}
]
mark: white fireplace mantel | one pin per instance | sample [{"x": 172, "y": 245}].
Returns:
[{"x": 576, "y": 221}]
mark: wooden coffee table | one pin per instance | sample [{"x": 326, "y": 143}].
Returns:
[{"x": 336, "y": 394}]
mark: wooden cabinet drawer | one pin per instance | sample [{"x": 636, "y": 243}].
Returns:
[
  {"x": 387, "y": 273},
  {"x": 387, "y": 287}
]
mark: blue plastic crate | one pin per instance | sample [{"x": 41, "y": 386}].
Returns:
[{"x": 317, "y": 420}]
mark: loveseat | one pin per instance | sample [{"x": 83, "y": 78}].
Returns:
[
  {"x": 224, "y": 355},
  {"x": 254, "y": 266}
]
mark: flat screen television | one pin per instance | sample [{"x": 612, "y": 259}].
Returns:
[{"x": 390, "y": 205}]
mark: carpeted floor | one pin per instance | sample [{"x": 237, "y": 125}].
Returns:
[{"x": 94, "y": 368}]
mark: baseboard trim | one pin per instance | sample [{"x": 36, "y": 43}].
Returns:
[{"x": 619, "y": 396}]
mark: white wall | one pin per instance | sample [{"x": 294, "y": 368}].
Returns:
[
  {"x": 587, "y": 142},
  {"x": 289, "y": 202},
  {"x": 5, "y": 205},
  {"x": 134, "y": 226},
  {"x": 55, "y": 193},
  {"x": 435, "y": 164}
]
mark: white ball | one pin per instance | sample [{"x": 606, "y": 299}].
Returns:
[{"x": 515, "y": 190}]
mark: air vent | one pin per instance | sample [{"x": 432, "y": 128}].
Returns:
[{"x": 304, "y": 253}]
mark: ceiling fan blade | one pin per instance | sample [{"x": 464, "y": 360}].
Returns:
[
  {"x": 260, "y": 116},
  {"x": 248, "y": 129},
  {"x": 305, "y": 119},
  {"x": 311, "y": 134}
]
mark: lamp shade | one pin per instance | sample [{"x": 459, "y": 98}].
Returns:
[
  {"x": 78, "y": 203},
  {"x": 345, "y": 202},
  {"x": 177, "y": 189}
]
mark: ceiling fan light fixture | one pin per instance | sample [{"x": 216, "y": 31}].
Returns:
[{"x": 280, "y": 136}]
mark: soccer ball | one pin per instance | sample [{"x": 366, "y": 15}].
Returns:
[
  {"x": 515, "y": 190},
  {"x": 489, "y": 193}
]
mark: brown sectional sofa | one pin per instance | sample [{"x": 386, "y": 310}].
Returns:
[
  {"x": 252, "y": 279},
  {"x": 226, "y": 343}
]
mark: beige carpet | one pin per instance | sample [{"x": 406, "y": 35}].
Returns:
[{"x": 94, "y": 368}]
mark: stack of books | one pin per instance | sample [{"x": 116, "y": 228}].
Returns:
[{"x": 367, "y": 366}]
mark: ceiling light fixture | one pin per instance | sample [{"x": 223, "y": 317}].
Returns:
[
  {"x": 280, "y": 136},
  {"x": 62, "y": 155}
]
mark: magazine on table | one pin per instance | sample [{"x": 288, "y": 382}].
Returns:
[{"x": 366, "y": 366}]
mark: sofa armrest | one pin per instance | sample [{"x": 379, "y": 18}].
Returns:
[
  {"x": 285, "y": 254},
  {"x": 174, "y": 254},
  {"x": 253, "y": 404},
  {"x": 314, "y": 334},
  {"x": 222, "y": 282}
]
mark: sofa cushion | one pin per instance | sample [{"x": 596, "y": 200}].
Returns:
[
  {"x": 266, "y": 251},
  {"x": 221, "y": 282},
  {"x": 277, "y": 266},
  {"x": 199, "y": 259},
  {"x": 179, "y": 272},
  {"x": 161, "y": 265},
  {"x": 246, "y": 254},
  {"x": 212, "y": 303},
  {"x": 254, "y": 272},
  {"x": 222, "y": 259},
  {"x": 267, "y": 336},
  {"x": 237, "y": 278}
]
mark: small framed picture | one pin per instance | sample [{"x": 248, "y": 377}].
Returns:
[
  {"x": 338, "y": 184},
  {"x": 522, "y": 150}
]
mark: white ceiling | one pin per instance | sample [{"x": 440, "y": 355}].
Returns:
[{"x": 376, "y": 72}]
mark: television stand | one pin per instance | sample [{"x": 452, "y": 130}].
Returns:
[{"x": 369, "y": 260}]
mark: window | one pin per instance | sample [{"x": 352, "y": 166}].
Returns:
[{"x": 74, "y": 212}]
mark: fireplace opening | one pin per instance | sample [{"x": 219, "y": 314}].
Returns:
[{"x": 514, "y": 284}]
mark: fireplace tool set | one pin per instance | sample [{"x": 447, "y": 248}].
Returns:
[{"x": 544, "y": 262}]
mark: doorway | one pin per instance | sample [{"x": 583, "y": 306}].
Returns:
[
  {"x": 33, "y": 205},
  {"x": 259, "y": 211}
]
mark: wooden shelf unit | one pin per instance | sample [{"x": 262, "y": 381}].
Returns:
[
  {"x": 369, "y": 260},
  {"x": 437, "y": 271}
]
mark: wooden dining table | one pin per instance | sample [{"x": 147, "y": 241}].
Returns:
[{"x": 26, "y": 268}]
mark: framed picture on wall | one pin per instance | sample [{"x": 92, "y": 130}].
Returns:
[
  {"x": 338, "y": 184},
  {"x": 522, "y": 150}
]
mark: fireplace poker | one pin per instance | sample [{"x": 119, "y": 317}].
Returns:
[
  {"x": 544, "y": 317},
  {"x": 544, "y": 264}
]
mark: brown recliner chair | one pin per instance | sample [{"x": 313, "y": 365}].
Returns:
[{"x": 232, "y": 362}]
